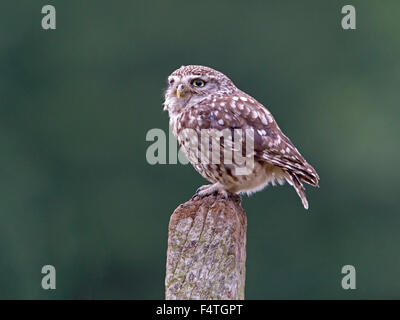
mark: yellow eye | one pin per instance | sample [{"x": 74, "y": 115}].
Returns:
[{"x": 198, "y": 83}]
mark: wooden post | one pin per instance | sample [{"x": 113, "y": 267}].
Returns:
[{"x": 207, "y": 250}]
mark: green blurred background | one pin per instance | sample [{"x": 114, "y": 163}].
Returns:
[{"x": 76, "y": 104}]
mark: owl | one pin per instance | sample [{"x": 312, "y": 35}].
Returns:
[{"x": 200, "y": 100}]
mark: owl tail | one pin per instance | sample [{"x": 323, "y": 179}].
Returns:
[{"x": 295, "y": 182}]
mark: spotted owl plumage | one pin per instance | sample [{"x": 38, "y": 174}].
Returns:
[{"x": 200, "y": 98}]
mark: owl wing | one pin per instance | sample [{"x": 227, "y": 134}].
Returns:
[
  {"x": 270, "y": 143},
  {"x": 273, "y": 146},
  {"x": 240, "y": 111}
]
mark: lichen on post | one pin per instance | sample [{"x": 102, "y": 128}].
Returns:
[{"x": 207, "y": 249}]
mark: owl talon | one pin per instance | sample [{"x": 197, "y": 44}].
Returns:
[
  {"x": 197, "y": 193},
  {"x": 208, "y": 189}
]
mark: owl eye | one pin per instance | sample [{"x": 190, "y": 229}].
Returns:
[
  {"x": 171, "y": 81},
  {"x": 198, "y": 83}
]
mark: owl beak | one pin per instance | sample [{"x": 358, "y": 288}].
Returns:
[{"x": 179, "y": 90}]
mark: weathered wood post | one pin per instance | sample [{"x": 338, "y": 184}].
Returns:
[{"x": 207, "y": 249}]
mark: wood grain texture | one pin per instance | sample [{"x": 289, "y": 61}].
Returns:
[{"x": 207, "y": 250}]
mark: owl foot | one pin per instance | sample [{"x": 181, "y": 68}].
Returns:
[{"x": 211, "y": 189}]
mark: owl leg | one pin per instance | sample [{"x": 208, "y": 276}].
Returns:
[{"x": 210, "y": 189}]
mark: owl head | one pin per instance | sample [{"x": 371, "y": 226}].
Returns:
[{"x": 191, "y": 84}]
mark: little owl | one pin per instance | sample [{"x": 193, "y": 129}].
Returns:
[{"x": 200, "y": 99}]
